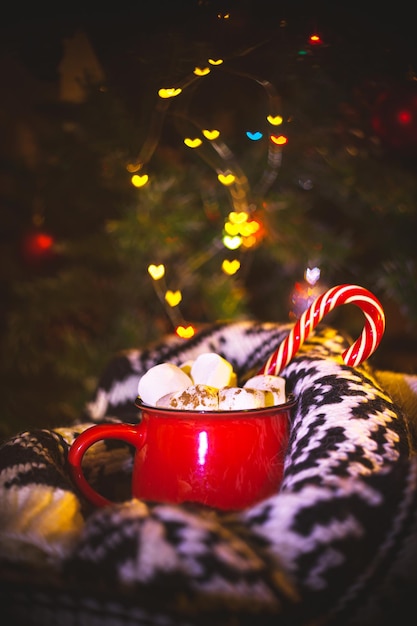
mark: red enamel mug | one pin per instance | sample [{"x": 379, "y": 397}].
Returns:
[{"x": 224, "y": 459}]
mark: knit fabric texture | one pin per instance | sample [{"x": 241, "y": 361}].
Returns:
[{"x": 337, "y": 544}]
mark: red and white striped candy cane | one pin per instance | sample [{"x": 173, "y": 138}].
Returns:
[{"x": 358, "y": 352}]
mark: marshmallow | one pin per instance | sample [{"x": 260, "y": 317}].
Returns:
[
  {"x": 208, "y": 384},
  {"x": 186, "y": 367},
  {"x": 233, "y": 380},
  {"x": 211, "y": 369},
  {"x": 194, "y": 398},
  {"x": 273, "y": 386},
  {"x": 161, "y": 380},
  {"x": 238, "y": 399}
]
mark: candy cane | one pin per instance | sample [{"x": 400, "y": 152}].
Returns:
[{"x": 358, "y": 352}]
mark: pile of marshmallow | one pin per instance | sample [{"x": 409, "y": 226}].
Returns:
[{"x": 208, "y": 384}]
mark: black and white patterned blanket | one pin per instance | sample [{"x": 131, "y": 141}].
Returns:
[{"x": 336, "y": 545}]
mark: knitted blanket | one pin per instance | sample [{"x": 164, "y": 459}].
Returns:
[{"x": 336, "y": 545}]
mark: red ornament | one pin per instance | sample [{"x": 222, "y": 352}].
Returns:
[{"x": 394, "y": 119}]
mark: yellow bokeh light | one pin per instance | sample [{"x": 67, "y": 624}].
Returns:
[
  {"x": 249, "y": 228},
  {"x": 230, "y": 267},
  {"x": 202, "y": 71},
  {"x": 211, "y": 134},
  {"x": 280, "y": 140},
  {"x": 185, "y": 332},
  {"x": 238, "y": 217},
  {"x": 139, "y": 181},
  {"x": 193, "y": 143},
  {"x": 232, "y": 229},
  {"x": 232, "y": 243},
  {"x": 156, "y": 271},
  {"x": 215, "y": 61},
  {"x": 275, "y": 120},
  {"x": 226, "y": 179},
  {"x": 173, "y": 297},
  {"x": 171, "y": 92}
]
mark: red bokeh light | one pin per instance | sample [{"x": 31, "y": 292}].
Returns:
[{"x": 37, "y": 245}]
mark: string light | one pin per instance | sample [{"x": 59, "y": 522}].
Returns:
[
  {"x": 173, "y": 297},
  {"x": 230, "y": 267},
  {"x": 232, "y": 243},
  {"x": 193, "y": 143},
  {"x": 202, "y": 71},
  {"x": 241, "y": 228},
  {"x": 249, "y": 242},
  {"x": 211, "y": 135},
  {"x": 305, "y": 293},
  {"x": 249, "y": 228},
  {"x": 315, "y": 39},
  {"x": 185, "y": 332},
  {"x": 156, "y": 271},
  {"x": 275, "y": 120},
  {"x": 237, "y": 217},
  {"x": 254, "y": 136},
  {"x": 171, "y": 92},
  {"x": 226, "y": 179},
  {"x": 279, "y": 140},
  {"x": 139, "y": 181},
  {"x": 232, "y": 229}
]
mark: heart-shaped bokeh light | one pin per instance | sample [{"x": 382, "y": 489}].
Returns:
[
  {"x": 226, "y": 179},
  {"x": 238, "y": 217},
  {"x": 185, "y": 332},
  {"x": 139, "y": 181},
  {"x": 254, "y": 136},
  {"x": 279, "y": 140},
  {"x": 312, "y": 275},
  {"x": 211, "y": 134},
  {"x": 173, "y": 297},
  {"x": 275, "y": 120},
  {"x": 193, "y": 143},
  {"x": 230, "y": 267},
  {"x": 232, "y": 243},
  {"x": 171, "y": 92},
  {"x": 202, "y": 71},
  {"x": 156, "y": 271}
]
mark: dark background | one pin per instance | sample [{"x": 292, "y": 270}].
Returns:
[
  {"x": 62, "y": 317},
  {"x": 35, "y": 33}
]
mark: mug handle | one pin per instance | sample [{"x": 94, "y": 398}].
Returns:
[{"x": 129, "y": 433}]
